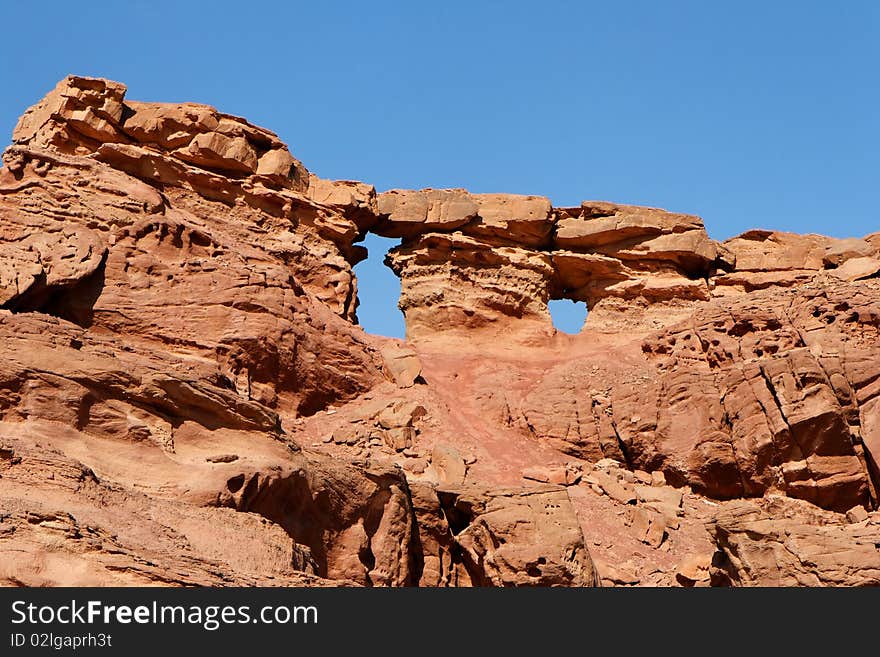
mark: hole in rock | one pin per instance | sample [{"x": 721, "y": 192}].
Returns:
[
  {"x": 568, "y": 316},
  {"x": 379, "y": 290}
]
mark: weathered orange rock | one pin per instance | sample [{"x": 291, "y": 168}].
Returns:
[
  {"x": 214, "y": 150},
  {"x": 635, "y": 232},
  {"x": 167, "y": 125},
  {"x": 407, "y": 213},
  {"x": 77, "y": 115},
  {"x": 793, "y": 547},
  {"x": 521, "y": 537},
  {"x": 483, "y": 259},
  {"x": 179, "y": 341}
]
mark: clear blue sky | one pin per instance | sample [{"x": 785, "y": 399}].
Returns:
[{"x": 748, "y": 113}]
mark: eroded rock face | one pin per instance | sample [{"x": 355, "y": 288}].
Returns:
[
  {"x": 169, "y": 294},
  {"x": 739, "y": 390},
  {"x": 776, "y": 380},
  {"x": 519, "y": 537},
  {"x": 753, "y": 374},
  {"x": 479, "y": 261},
  {"x": 474, "y": 536},
  {"x": 783, "y": 544},
  {"x": 174, "y": 248},
  {"x": 62, "y": 524},
  {"x": 179, "y": 341},
  {"x": 358, "y": 523}
]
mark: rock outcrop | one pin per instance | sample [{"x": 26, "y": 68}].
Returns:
[
  {"x": 179, "y": 344},
  {"x": 759, "y": 352},
  {"x": 472, "y": 261},
  {"x": 472, "y": 536},
  {"x": 783, "y": 544},
  {"x": 174, "y": 284}
]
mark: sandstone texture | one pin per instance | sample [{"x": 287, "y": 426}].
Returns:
[
  {"x": 186, "y": 397},
  {"x": 780, "y": 544}
]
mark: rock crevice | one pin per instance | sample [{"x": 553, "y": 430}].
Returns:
[{"x": 179, "y": 342}]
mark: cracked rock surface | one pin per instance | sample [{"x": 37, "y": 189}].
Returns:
[{"x": 186, "y": 397}]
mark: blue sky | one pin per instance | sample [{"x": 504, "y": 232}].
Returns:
[{"x": 748, "y": 114}]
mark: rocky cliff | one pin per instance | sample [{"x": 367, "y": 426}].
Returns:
[{"x": 186, "y": 396}]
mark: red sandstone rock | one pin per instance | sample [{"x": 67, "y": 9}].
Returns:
[
  {"x": 793, "y": 547},
  {"x": 178, "y": 340}
]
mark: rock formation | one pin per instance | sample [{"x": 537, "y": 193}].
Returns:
[
  {"x": 186, "y": 396},
  {"x": 777, "y": 543}
]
